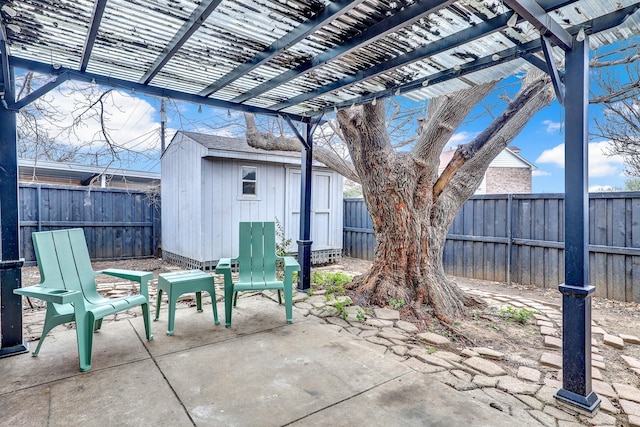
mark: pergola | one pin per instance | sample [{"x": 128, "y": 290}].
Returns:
[{"x": 298, "y": 59}]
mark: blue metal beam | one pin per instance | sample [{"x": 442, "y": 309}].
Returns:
[
  {"x": 441, "y": 45},
  {"x": 538, "y": 17},
  {"x": 325, "y": 16},
  {"x": 525, "y": 51},
  {"x": 536, "y": 62},
  {"x": 403, "y": 18},
  {"x": 96, "y": 18},
  {"x": 41, "y": 91},
  {"x": 43, "y": 68},
  {"x": 195, "y": 21},
  {"x": 10, "y": 262},
  {"x": 576, "y": 291},
  {"x": 4, "y": 60},
  {"x": 558, "y": 86}
]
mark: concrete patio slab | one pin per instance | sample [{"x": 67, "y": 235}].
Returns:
[
  {"x": 414, "y": 399},
  {"x": 193, "y": 329},
  {"x": 276, "y": 376},
  {"x": 260, "y": 372},
  {"x": 116, "y": 344}
]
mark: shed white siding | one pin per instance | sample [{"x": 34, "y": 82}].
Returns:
[
  {"x": 203, "y": 200},
  {"x": 181, "y": 191}
]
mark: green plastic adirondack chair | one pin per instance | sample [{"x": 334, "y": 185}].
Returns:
[
  {"x": 67, "y": 284},
  {"x": 257, "y": 267}
]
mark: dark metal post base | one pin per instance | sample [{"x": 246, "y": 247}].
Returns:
[
  {"x": 15, "y": 350},
  {"x": 588, "y": 403},
  {"x": 576, "y": 348},
  {"x": 304, "y": 258}
]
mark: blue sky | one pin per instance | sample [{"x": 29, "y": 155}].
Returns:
[{"x": 136, "y": 124}]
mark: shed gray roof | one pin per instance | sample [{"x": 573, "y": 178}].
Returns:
[
  {"x": 236, "y": 148},
  {"x": 297, "y": 56}
]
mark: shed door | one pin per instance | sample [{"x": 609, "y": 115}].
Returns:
[{"x": 320, "y": 209}]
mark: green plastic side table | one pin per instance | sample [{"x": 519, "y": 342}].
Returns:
[{"x": 182, "y": 282}]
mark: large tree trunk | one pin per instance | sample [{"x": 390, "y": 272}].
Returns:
[
  {"x": 408, "y": 256},
  {"x": 410, "y": 237},
  {"x": 412, "y": 205}
]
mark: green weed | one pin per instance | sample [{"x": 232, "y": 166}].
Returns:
[
  {"x": 519, "y": 315},
  {"x": 396, "y": 303}
]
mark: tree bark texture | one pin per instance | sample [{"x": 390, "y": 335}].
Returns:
[{"x": 412, "y": 206}]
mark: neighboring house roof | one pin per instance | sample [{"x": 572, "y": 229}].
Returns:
[
  {"x": 78, "y": 174},
  {"x": 508, "y": 157},
  {"x": 237, "y": 148}
]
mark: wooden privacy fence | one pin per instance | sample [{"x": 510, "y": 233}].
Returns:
[
  {"x": 117, "y": 223},
  {"x": 520, "y": 238}
]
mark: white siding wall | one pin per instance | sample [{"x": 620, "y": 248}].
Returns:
[
  {"x": 181, "y": 200},
  {"x": 326, "y": 209},
  {"x": 507, "y": 160},
  {"x": 226, "y": 206}
]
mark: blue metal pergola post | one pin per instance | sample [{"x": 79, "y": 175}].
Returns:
[
  {"x": 304, "y": 243},
  {"x": 576, "y": 291},
  {"x": 10, "y": 262}
]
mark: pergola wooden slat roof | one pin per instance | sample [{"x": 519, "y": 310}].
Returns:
[{"x": 298, "y": 57}]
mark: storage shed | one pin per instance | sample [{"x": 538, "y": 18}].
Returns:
[{"x": 210, "y": 183}]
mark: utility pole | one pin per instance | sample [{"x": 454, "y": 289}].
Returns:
[{"x": 163, "y": 121}]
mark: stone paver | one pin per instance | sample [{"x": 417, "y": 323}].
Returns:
[
  {"x": 613, "y": 341},
  {"x": 545, "y": 330},
  {"x": 553, "y": 360},
  {"x": 424, "y": 356},
  {"x": 607, "y": 406},
  {"x": 488, "y": 353},
  {"x": 529, "y": 374},
  {"x": 630, "y": 408},
  {"x": 484, "y": 366},
  {"x": 531, "y": 401},
  {"x": 432, "y": 338},
  {"x": 407, "y": 327},
  {"x": 603, "y": 389},
  {"x": 386, "y": 314},
  {"x": 629, "y": 339},
  {"x": 627, "y": 392},
  {"x": 515, "y": 386},
  {"x": 545, "y": 323},
  {"x": 634, "y": 421},
  {"x": 559, "y": 413},
  {"x": 599, "y": 419},
  {"x": 631, "y": 361},
  {"x": 552, "y": 342}
]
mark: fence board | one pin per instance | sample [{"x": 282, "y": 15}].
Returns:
[
  {"x": 117, "y": 223},
  {"x": 521, "y": 238}
]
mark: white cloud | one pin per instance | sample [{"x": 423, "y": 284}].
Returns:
[
  {"x": 601, "y": 188},
  {"x": 600, "y": 164},
  {"x": 539, "y": 172},
  {"x": 460, "y": 138},
  {"x": 551, "y": 126},
  {"x": 132, "y": 121},
  {"x": 554, "y": 156}
]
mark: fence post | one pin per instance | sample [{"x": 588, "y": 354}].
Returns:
[
  {"x": 509, "y": 235},
  {"x": 39, "y": 213}
]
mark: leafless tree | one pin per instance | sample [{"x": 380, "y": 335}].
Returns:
[
  {"x": 620, "y": 98},
  {"x": 411, "y": 204},
  {"x": 46, "y": 133}
]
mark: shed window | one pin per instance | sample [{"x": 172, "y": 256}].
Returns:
[{"x": 249, "y": 180}]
